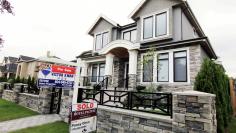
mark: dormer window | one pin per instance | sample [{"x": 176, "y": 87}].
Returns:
[
  {"x": 155, "y": 25},
  {"x": 102, "y": 39}
]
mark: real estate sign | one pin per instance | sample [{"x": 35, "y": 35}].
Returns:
[
  {"x": 56, "y": 76},
  {"x": 83, "y": 117}
]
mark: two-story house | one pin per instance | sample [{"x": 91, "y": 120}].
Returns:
[
  {"x": 167, "y": 26},
  {"x": 8, "y": 67}
]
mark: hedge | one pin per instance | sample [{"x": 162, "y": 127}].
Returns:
[{"x": 212, "y": 79}]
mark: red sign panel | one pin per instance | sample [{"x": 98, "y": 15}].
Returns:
[
  {"x": 63, "y": 69},
  {"x": 83, "y": 114}
]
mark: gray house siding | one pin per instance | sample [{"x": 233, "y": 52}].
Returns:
[{"x": 103, "y": 25}]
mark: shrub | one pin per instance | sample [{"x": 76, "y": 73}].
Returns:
[
  {"x": 17, "y": 80},
  {"x": 3, "y": 79},
  {"x": 11, "y": 81},
  {"x": 140, "y": 88},
  {"x": 212, "y": 79}
]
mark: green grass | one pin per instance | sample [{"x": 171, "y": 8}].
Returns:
[
  {"x": 10, "y": 111},
  {"x": 232, "y": 126},
  {"x": 56, "y": 127}
]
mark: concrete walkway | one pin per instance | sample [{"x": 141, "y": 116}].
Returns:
[{"x": 26, "y": 122}]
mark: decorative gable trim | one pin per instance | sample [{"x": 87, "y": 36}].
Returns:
[
  {"x": 97, "y": 21},
  {"x": 138, "y": 7}
]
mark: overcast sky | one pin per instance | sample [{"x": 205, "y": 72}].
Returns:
[{"x": 61, "y": 26}]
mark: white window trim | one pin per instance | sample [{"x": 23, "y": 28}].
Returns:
[
  {"x": 95, "y": 38},
  {"x": 154, "y": 25},
  {"x": 171, "y": 67}
]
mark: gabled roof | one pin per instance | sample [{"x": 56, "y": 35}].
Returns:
[
  {"x": 138, "y": 7},
  {"x": 25, "y": 58},
  {"x": 12, "y": 59},
  {"x": 98, "y": 20}
]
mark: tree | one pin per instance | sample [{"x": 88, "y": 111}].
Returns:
[
  {"x": 212, "y": 79},
  {"x": 17, "y": 80},
  {"x": 5, "y": 6}
]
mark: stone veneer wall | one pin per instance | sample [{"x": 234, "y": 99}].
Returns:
[
  {"x": 196, "y": 57},
  {"x": 192, "y": 112},
  {"x": 29, "y": 100},
  {"x": 66, "y": 101},
  {"x": 9, "y": 96}
]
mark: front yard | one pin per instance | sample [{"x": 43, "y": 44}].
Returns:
[
  {"x": 56, "y": 127},
  {"x": 10, "y": 111}
]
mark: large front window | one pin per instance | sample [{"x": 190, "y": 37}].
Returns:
[
  {"x": 180, "y": 66},
  {"x": 163, "y": 68},
  {"x": 155, "y": 26},
  {"x": 148, "y": 71},
  {"x": 98, "y": 72},
  {"x": 102, "y": 40}
]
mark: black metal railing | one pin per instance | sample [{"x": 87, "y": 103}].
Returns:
[
  {"x": 8, "y": 86},
  {"x": 92, "y": 79},
  {"x": 100, "y": 81},
  {"x": 156, "y": 103}
]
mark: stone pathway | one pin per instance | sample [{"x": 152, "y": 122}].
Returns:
[{"x": 26, "y": 122}]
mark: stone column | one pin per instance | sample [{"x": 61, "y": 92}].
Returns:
[
  {"x": 45, "y": 100},
  {"x": 16, "y": 90},
  {"x": 133, "y": 62},
  {"x": 1, "y": 89},
  {"x": 194, "y": 112},
  {"x": 109, "y": 68}
]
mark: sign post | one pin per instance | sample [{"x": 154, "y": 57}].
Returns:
[{"x": 83, "y": 117}]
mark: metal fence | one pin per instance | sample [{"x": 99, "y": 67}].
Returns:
[{"x": 156, "y": 103}]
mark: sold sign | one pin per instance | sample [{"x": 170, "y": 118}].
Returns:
[{"x": 84, "y": 106}]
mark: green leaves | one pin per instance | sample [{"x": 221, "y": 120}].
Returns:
[{"x": 212, "y": 79}]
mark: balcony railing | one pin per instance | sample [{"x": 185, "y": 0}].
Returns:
[{"x": 155, "y": 103}]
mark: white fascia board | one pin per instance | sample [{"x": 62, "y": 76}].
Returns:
[
  {"x": 137, "y": 8},
  {"x": 105, "y": 18}
]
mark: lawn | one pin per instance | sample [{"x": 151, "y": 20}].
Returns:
[
  {"x": 10, "y": 111},
  {"x": 232, "y": 126},
  {"x": 57, "y": 127}
]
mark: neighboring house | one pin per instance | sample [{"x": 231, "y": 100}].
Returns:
[
  {"x": 27, "y": 66},
  {"x": 8, "y": 67},
  {"x": 169, "y": 27}
]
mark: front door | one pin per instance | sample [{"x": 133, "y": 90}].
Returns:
[{"x": 126, "y": 75}]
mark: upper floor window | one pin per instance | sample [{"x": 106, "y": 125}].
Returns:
[
  {"x": 130, "y": 35},
  {"x": 155, "y": 26},
  {"x": 102, "y": 40}
]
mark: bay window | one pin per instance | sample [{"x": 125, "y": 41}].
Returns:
[
  {"x": 180, "y": 66},
  {"x": 163, "y": 68}
]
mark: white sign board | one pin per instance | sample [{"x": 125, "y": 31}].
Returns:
[
  {"x": 83, "y": 117},
  {"x": 56, "y": 76}
]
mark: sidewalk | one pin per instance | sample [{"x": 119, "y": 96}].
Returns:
[{"x": 17, "y": 124}]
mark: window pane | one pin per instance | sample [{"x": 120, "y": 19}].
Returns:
[
  {"x": 148, "y": 71},
  {"x": 181, "y": 54},
  {"x": 163, "y": 68},
  {"x": 126, "y": 36},
  {"x": 133, "y": 35},
  {"x": 98, "y": 42},
  {"x": 101, "y": 72},
  {"x": 161, "y": 24},
  {"x": 148, "y": 28},
  {"x": 94, "y": 73},
  {"x": 163, "y": 71},
  {"x": 105, "y": 39},
  {"x": 180, "y": 69}
]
